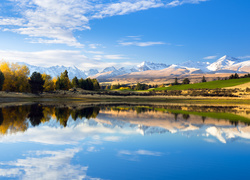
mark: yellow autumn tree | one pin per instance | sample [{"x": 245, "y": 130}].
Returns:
[
  {"x": 49, "y": 84},
  {"x": 16, "y": 77}
]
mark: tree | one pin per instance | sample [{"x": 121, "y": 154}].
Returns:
[
  {"x": 96, "y": 85},
  {"x": 63, "y": 82},
  {"x": 140, "y": 86},
  {"x": 1, "y": 80},
  {"x": 49, "y": 85},
  {"x": 15, "y": 77},
  {"x": 203, "y": 79},
  {"x": 90, "y": 85},
  {"x": 36, "y": 82},
  {"x": 176, "y": 81},
  {"x": 75, "y": 82},
  {"x": 186, "y": 81}
]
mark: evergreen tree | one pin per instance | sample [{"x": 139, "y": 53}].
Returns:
[
  {"x": 1, "y": 80},
  {"x": 203, "y": 79},
  {"x": 75, "y": 82},
  {"x": 176, "y": 81},
  {"x": 90, "y": 85},
  {"x": 96, "y": 84},
  {"x": 63, "y": 82},
  {"x": 36, "y": 82},
  {"x": 186, "y": 81},
  {"x": 82, "y": 83},
  {"x": 58, "y": 82}
]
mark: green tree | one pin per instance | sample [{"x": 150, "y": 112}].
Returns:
[
  {"x": 36, "y": 82},
  {"x": 140, "y": 86},
  {"x": 90, "y": 85},
  {"x": 63, "y": 82},
  {"x": 1, "y": 80},
  {"x": 48, "y": 83},
  {"x": 176, "y": 81},
  {"x": 186, "y": 81},
  {"x": 75, "y": 82},
  {"x": 58, "y": 82},
  {"x": 83, "y": 83},
  {"x": 96, "y": 85},
  {"x": 203, "y": 79}
]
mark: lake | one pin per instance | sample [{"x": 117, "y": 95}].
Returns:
[{"x": 124, "y": 141}]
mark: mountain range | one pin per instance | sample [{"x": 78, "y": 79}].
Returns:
[{"x": 225, "y": 64}]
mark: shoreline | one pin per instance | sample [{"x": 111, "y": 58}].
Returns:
[{"x": 13, "y": 97}]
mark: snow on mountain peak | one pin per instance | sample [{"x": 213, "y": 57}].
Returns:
[
  {"x": 55, "y": 71},
  {"x": 107, "y": 69},
  {"x": 145, "y": 65},
  {"x": 222, "y": 63}
]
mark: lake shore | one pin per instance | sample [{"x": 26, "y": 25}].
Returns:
[{"x": 13, "y": 97}]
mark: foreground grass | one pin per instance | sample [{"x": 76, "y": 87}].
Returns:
[{"x": 207, "y": 85}]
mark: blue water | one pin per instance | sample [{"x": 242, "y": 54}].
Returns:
[{"x": 97, "y": 148}]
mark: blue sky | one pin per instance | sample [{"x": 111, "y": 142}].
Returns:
[{"x": 101, "y": 33}]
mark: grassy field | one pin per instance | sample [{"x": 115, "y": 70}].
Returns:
[{"x": 208, "y": 85}]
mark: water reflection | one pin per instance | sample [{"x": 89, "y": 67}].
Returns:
[
  {"x": 64, "y": 142},
  {"x": 168, "y": 117}
]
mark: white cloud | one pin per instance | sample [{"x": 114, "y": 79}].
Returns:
[
  {"x": 141, "y": 44},
  {"x": 95, "y": 52},
  {"x": 55, "y": 21},
  {"x": 46, "y": 58},
  {"x": 134, "y": 155},
  {"x": 114, "y": 56},
  {"x": 63, "y": 57},
  {"x": 175, "y": 3},
  {"x": 94, "y": 46},
  {"x": 244, "y": 57},
  {"x": 210, "y": 57},
  {"x": 135, "y": 41},
  {"x": 45, "y": 165},
  {"x": 65, "y": 136},
  {"x": 112, "y": 138},
  {"x": 126, "y": 7}
]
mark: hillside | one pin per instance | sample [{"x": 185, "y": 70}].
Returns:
[{"x": 208, "y": 85}]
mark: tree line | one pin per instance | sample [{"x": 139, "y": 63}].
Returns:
[{"x": 15, "y": 78}]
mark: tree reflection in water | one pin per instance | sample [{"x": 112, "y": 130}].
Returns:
[{"x": 17, "y": 118}]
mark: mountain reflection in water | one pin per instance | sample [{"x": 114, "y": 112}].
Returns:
[
  {"x": 231, "y": 121},
  {"x": 73, "y": 142}
]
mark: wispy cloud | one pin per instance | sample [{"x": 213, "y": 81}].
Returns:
[
  {"x": 54, "y": 57},
  {"x": 45, "y": 165},
  {"x": 175, "y": 3},
  {"x": 244, "y": 57},
  {"x": 136, "y": 41},
  {"x": 55, "y": 21},
  {"x": 210, "y": 57},
  {"x": 140, "y": 152},
  {"x": 134, "y": 155},
  {"x": 48, "y": 57},
  {"x": 141, "y": 44}
]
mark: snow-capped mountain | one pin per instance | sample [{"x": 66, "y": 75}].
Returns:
[
  {"x": 91, "y": 72},
  {"x": 145, "y": 66},
  {"x": 199, "y": 65},
  {"x": 111, "y": 72},
  {"x": 108, "y": 69},
  {"x": 55, "y": 71},
  {"x": 223, "y": 63}
]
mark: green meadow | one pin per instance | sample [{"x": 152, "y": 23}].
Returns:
[{"x": 207, "y": 85}]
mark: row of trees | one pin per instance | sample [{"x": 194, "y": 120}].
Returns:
[{"x": 15, "y": 78}]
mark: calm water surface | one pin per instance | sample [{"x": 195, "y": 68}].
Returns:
[{"x": 124, "y": 142}]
